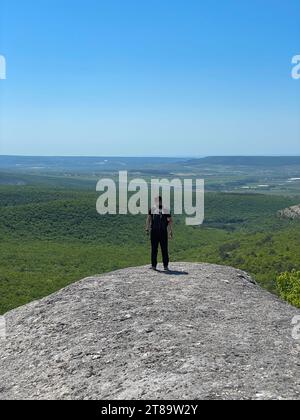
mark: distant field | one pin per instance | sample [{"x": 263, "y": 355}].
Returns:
[
  {"x": 51, "y": 235},
  {"x": 267, "y": 175}
]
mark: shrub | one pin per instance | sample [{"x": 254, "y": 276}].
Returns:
[{"x": 288, "y": 286}]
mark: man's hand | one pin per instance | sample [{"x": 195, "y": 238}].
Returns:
[{"x": 171, "y": 235}]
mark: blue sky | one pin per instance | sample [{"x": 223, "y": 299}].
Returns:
[{"x": 132, "y": 78}]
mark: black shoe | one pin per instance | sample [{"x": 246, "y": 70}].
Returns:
[
  {"x": 166, "y": 269},
  {"x": 153, "y": 268}
]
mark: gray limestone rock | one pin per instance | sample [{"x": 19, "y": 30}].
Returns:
[{"x": 199, "y": 332}]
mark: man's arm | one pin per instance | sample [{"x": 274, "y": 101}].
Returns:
[
  {"x": 148, "y": 223},
  {"x": 170, "y": 227}
]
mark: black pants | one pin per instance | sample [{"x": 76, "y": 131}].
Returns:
[{"x": 159, "y": 238}]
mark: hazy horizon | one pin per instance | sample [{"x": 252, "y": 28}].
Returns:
[{"x": 147, "y": 156}]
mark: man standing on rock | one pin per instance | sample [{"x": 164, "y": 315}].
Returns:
[{"x": 159, "y": 224}]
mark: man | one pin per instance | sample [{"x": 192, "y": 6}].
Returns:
[{"x": 160, "y": 226}]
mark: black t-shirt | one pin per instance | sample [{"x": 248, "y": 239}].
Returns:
[{"x": 159, "y": 219}]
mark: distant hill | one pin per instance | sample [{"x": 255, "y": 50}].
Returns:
[
  {"x": 92, "y": 164},
  {"x": 259, "y": 161},
  {"x": 200, "y": 332}
]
